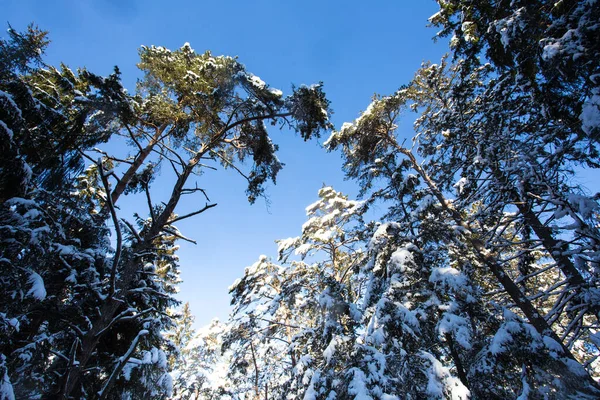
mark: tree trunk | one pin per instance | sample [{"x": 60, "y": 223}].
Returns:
[
  {"x": 553, "y": 247},
  {"x": 109, "y": 308},
  {"x": 460, "y": 371},
  {"x": 485, "y": 257}
]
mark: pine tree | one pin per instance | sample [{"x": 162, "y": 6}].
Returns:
[
  {"x": 194, "y": 100},
  {"x": 541, "y": 76},
  {"x": 320, "y": 292},
  {"x": 181, "y": 360},
  {"x": 505, "y": 137},
  {"x": 96, "y": 322}
]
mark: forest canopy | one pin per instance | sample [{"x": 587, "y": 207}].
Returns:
[{"x": 468, "y": 268}]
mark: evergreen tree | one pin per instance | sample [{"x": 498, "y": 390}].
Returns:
[
  {"x": 190, "y": 357},
  {"x": 88, "y": 312},
  {"x": 506, "y": 137},
  {"x": 50, "y": 244},
  {"x": 291, "y": 323},
  {"x": 194, "y": 100},
  {"x": 535, "y": 116}
]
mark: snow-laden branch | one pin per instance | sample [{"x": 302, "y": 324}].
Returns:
[{"x": 121, "y": 364}]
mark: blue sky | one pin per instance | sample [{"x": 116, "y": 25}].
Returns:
[{"x": 356, "y": 48}]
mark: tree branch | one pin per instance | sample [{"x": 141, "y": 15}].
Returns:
[
  {"x": 178, "y": 235},
  {"x": 113, "y": 214},
  {"x": 149, "y": 200},
  {"x": 122, "y": 361},
  {"x": 133, "y": 231},
  {"x": 206, "y": 207}
]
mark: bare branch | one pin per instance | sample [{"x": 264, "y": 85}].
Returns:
[
  {"x": 149, "y": 200},
  {"x": 230, "y": 164},
  {"x": 194, "y": 190},
  {"x": 132, "y": 136},
  {"x": 178, "y": 235},
  {"x": 113, "y": 214},
  {"x": 132, "y": 230},
  {"x": 255, "y": 118},
  {"x": 164, "y": 146},
  {"x": 207, "y": 166},
  {"x": 206, "y": 207},
  {"x": 109, "y": 157},
  {"x": 173, "y": 166}
]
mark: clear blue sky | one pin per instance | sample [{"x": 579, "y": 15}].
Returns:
[{"x": 356, "y": 48}]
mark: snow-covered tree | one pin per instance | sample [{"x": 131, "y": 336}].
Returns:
[
  {"x": 197, "y": 363},
  {"x": 321, "y": 291},
  {"x": 51, "y": 246},
  {"x": 85, "y": 310},
  {"x": 201, "y": 108},
  {"x": 532, "y": 125},
  {"x": 501, "y": 132},
  {"x": 293, "y": 324},
  {"x": 371, "y": 139}
]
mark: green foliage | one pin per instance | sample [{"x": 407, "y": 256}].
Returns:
[
  {"x": 22, "y": 52},
  {"x": 87, "y": 311},
  {"x": 482, "y": 280}
]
